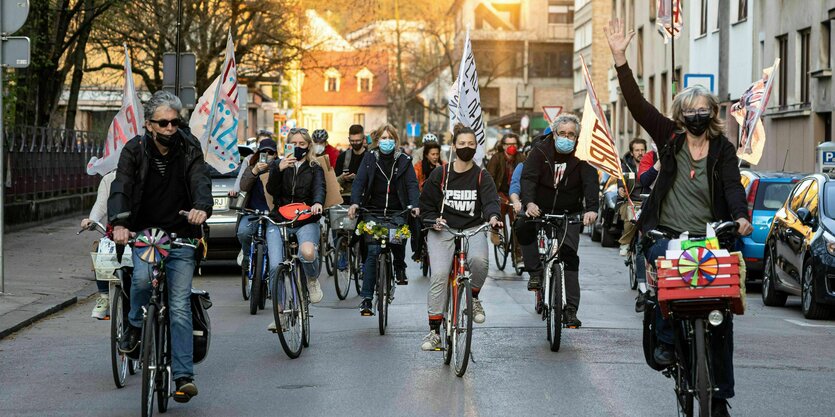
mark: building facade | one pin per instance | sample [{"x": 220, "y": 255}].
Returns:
[{"x": 590, "y": 17}]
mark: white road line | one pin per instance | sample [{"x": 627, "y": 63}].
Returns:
[{"x": 804, "y": 324}]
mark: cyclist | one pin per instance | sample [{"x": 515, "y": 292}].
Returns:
[
  {"x": 348, "y": 162},
  {"x": 629, "y": 166},
  {"x": 385, "y": 181},
  {"x": 254, "y": 183},
  {"x": 429, "y": 137},
  {"x": 431, "y": 159},
  {"x": 322, "y": 147},
  {"x": 297, "y": 178},
  {"x": 699, "y": 183},
  {"x": 555, "y": 181},
  {"x": 99, "y": 214},
  {"x": 461, "y": 196},
  {"x": 500, "y": 167},
  {"x": 160, "y": 174},
  {"x": 262, "y": 135}
]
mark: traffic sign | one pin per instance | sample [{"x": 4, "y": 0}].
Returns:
[
  {"x": 551, "y": 112},
  {"x": 706, "y": 80},
  {"x": 413, "y": 129},
  {"x": 14, "y": 52},
  {"x": 13, "y": 15},
  {"x": 524, "y": 122}
]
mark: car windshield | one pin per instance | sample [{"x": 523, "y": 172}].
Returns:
[
  {"x": 231, "y": 174},
  {"x": 772, "y": 195},
  {"x": 829, "y": 199}
]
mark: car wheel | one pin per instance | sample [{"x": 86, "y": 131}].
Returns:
[
  {"x": 771, "y": 297},
  {"x": 810, "y": 307}
]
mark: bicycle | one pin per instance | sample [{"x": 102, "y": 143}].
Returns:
[
  {"x": 385, "y": 262},
  {"x": 633, "y": 255},
  {"x": 257, "y": 276},
  {"x": 326, "y": 249},
  {"x": 457, "y": 332},
  {"x": 344, "y": 250},
  {"x": 550, "y": 297},
  {"x": 118, "y": 277},
  {"x": 692, "y": 319},
  {"x": 508, "y": 243}
]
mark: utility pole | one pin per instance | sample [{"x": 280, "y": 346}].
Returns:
[{"x": 177, "y": 47}]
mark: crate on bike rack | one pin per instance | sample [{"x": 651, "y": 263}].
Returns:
[
  {"x": 728, "y": 282},
  {"x": 339, "y": 220}
]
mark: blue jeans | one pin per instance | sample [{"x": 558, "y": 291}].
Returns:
[
  {"x": 369, "y": 269},
  {"x": 246, "y": 229},
  {"x": 275, "y": 248},
  {"x": 179, "y": 269},
  {"x": 721, "y": 337}
]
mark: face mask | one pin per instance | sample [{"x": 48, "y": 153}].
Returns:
[
  {"x": 320, "y": 149},
  {"x": 299, "y": 153},
  {"x": 356, "y": 146},
  {"x": 165, "y": 140},
  {"x": 564, "y": 145},
  {"x": 511, "y": 150},
  {"x": 465, "y": 154},
  {"x": 697, "y": 124},
  {"x": 387, "y": 146}
]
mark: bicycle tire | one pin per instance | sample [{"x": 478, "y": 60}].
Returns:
[
  {"x": 633, "y": 274},
  {"x": 356, "y": 270},
  {"x": 517, "y": 266},
  {"x": 149, "y": 360},
  {"x": 257, "y": 285},
  {"x": 164, "y": 377},
  {"x": 245, "y": 289},
  {"x": 119, "y": 361},
  {"x": 555, "y": 321},
  {"x": 463, "y": 323},
  {"x": 500, "y": 252},
  {"x": 424, "y": 261},
  {"x": 702, "y": 385},
  {"x": 382, "y": 293},
  {"x": 304, "y": 302},
  {"x": 342, "y": 279},
  {"x": 326, "y": 250},
  {"x": 284, "y": 300},
  {"x": 446, "y": 335}
]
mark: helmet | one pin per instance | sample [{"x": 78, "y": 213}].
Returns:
[
  {"x": 320, "y": 135},
  {"x": 430, "y": 137}
]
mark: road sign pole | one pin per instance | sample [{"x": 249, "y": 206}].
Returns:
[{"x": 2, "y": 174}]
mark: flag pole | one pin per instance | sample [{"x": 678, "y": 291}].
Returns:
[{"x": 673, "y": 49}]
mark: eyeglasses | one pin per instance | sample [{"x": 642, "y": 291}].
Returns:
[
  {"x": 165, "y": 123},
  {"x": 569, "y": 135},
  {"x": 295, "y": 130},
  {"x": 268, "y": 152},
  {"x": 510, "y": 144},
  {"x": 693, "y": 112}
]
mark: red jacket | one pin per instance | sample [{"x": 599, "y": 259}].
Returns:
[{"x": 332, "y": 154}]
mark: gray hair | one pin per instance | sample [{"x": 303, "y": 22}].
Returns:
[
  {"x": 162, "y": 99},
  {"x": 563, "y": 119},
  {"x": 686, "y": 99}
]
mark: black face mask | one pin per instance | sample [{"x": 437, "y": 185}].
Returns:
[
  {"x": 165, "y": 140},
  {"x": 299, "y": 152},
  {"x": 356, "y": 147},
  {"x": 465, "y": 154},
  {"x": 697, "y": 124}
]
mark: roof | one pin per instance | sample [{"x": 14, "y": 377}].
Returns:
[
  {"x": 322, "y": 36},
  {"x": 348, "y": 64},
  {"x": 776, "y": 174}
]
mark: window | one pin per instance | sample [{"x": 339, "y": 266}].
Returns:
[
  {"x": 620, "y": 115},
  {"x": 825, "y": 48},
  {"x": 805, "y": 60},
  {"x": 359, "y": 119},
  {"x": 365, "y": 84},
  {"x": 578, "y": 4},
  {"x": 663, "y": 93},
  {"x": 652, "y": 10},
  {"x": 810, "y": 201},
  {"x": 327, "y": 121},
  {"x": 742, "y": 11},
  {"x": 651, "y": 90},
  {"x": 798, "y": 194},
  {"x": 679, "y": 82},
  {"x": 365, "y": 80},
  {"x": 559, "y": 12},
  {"x": 499, "y": 59},
  {"x": 703, "y": 20},
  {"x": 332, "y": 80},
  {"x": 550, "y": 60},
  {"x": 639, "y": 66},
  {"x": 782, "y": 79},
  {"x": 582, "y": 36}
]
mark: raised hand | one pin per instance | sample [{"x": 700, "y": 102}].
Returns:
[{"x": 618, "y": 40}]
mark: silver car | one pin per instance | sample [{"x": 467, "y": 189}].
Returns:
[{"x": 223, "y": 240}]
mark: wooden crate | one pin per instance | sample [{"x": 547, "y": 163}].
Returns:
[{"x": 728, "y": 284}]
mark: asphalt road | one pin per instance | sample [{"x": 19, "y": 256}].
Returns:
[{"x": 784, "y": 364}]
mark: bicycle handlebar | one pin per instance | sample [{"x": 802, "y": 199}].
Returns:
[
  {"x": 381, "y": 213},
  {"x": 265, "y": 214},
  {"x": 94, "y": 225},
  {"x": 552, "y": 218},
  {"x": 457, "y": 233}
]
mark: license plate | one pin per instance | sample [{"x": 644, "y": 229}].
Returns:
[{"x": 220, "y": 203}]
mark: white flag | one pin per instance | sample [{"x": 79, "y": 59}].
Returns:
[
  {"x": 128, "y": 123},
  {"x": 465, "y": 102},
  {"x": 215, "y": 120}
]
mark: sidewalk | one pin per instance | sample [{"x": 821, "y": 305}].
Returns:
[{"x": 48, "y": 268}]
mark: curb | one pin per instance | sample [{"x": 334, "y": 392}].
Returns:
[{"x": 61, "y": 304}]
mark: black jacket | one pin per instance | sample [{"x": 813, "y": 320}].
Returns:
[
  {"x": 303, "y": 185},
  {"x": 630, "y": 168},
  {"x": 726, "y": 191},
  {"x": 134, "y": 162},
  {"x": 405, "y": 181},
  {"x": 576, "y": 192}
]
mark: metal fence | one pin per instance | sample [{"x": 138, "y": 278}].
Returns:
[{"x": 44, "y": 163}]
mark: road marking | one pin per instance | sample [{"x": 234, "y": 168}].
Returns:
[{"x": 803, "y": 324}]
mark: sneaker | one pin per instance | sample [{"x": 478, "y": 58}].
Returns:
[
  {"x": 535, "y": 282},
  {"x": 185, "y": 390},
  {"x": 663, "y": 354},
  {"x": 102, "y": 308},
  {"x": 431, "y": 342},
  {"x": 342, "y": 262},
  {"x": 570, "y": 315},
  {"x": 624, "y": 250},
  {"x": 400, "y": 276},
  {"x": 240, "y": 257},
  {"x": 478, "y": 311},
  {"x": 366, "y": 307},
  {"x": 284, "y": 327},
  {"x": 641, "y": 301},
  {"x": 719, "y": 407},
  {"x": 314, "y": 290},
  {"x": 130, "y": 341}
]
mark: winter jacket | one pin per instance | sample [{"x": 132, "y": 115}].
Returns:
[
  {"x": 304, "y": 183},
  {"x": 497, "y": 167},
  {"x": 576, "y": 191},
  {"x": 404, "y": 181}
]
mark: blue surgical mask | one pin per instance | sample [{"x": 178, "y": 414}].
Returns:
[
  {"x": 386, "y": 146},
  {"x": 564, "y": 145}
]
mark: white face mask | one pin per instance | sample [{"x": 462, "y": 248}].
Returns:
[{"x": 319, "y": 149}]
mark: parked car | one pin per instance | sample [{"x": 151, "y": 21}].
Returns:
[
  {"x": 608, "y": 227},
  {"x": 800, "y": 249},
  {"x": 766, "y": 193},
  {"x": 223, "y": 240}
]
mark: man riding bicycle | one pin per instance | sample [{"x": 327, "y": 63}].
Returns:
[
  {"x": 385, "y": 181},
  {"x": 160, "y": 174},
  {"x": 555, "y": 181},
  {"x": 461, "y": 196}
]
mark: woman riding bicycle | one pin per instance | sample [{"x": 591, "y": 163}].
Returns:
[
  {"x": 254, "y": 183},
  {"x": 294, "y": 179},
  {"x": 461, "y": 196},
  {"x": 699, "y": 183},
  {"x": 385, "y": 182}
]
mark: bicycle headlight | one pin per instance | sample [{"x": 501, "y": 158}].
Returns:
[
  {"x": 829, "y": 239},
  {"x": 715, "y": 318}
]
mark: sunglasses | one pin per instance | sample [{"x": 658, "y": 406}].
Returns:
[
  {"x": 165, "y": 123},
  {"x": 295, "y": 130},
  {"x": 268, "y": 152}
]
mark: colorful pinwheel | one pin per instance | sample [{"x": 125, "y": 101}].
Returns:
[
  {"x": 698, "y": 266},
  {"x": 152, "y": 245}
]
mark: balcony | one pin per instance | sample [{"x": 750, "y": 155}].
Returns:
[{"x": 560, "y": 31}]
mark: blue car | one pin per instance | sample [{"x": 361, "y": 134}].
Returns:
[{"x": 766, "y": 192}]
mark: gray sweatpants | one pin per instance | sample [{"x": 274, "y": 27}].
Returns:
[{"x": 441, "y": 251}]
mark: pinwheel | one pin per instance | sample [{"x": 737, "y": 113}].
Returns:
[{"x": 698, "y": 266}]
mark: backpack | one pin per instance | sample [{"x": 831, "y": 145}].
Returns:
[{"x": 202, "y": 326}]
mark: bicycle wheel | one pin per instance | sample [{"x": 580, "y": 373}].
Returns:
[
  {"x": 164, "y": 373},
  {"x": 633, "y": 272},
  {"x": 446, "y": 335},
  {"x": 382, "y": 293},
  {"x": 257, "y": 279},
  {"x": 304, "y": 303},
  {"x": 424, "y": 261},
  {"x": 356, "y": 269},
  {"x": 500, "y": 250},
  {"x": 517, "y": 265},
  {"x": 342, "y": 280},
  {"x": 286, "y": 303},
  {"x": 245, "y": 288},
  {"x": 149, "y": 360},
  {"x": 325, "y": 250},
  {"x": 555, "y": 306},
  {"x": 119, "y": 361},
  {"x": 702, "y": 381},
  {"x": 462, "y": 334}
]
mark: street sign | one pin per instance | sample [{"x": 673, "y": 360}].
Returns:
[
  {"x": 551, "y": 112},
  {"x": 187, "y": 93},
  {"x": 524, "y": 122},
  {"x": 15, "y": 52},
  {"x": 706, "y": 80},
  {"x": 13, "y": 15},
  {"x": 413, "y": 129}
]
